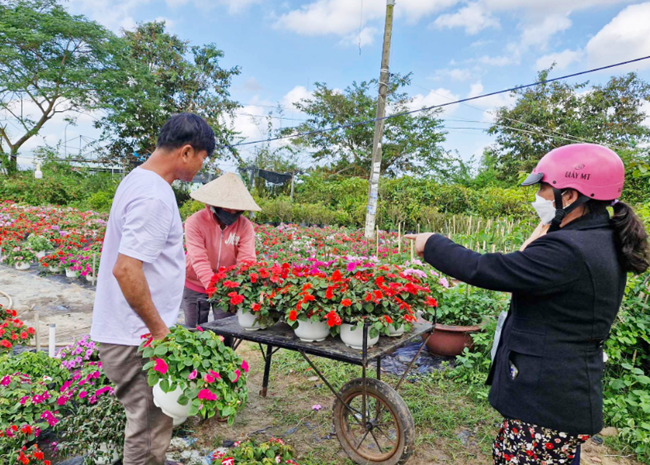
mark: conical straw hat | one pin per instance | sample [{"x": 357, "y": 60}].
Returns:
[{"x": 227, "y": 191}]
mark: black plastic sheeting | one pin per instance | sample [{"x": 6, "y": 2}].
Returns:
[
  {"x": 59, "y": 278},
  {"x": 397, "y": 362}
]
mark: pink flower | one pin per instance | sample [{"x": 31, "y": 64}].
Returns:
[
  {"x": 208, "y": 378},
  {"x": 238, "y": 373},
  {"x": 193, "y": 375},
  {"x": 444, "y": 283},
  {"x": 161, "y": 366},
  {"x": 5, "y": 381},
  {"x": 215, "y": 375},
  {"x": 23, "y": 400},
  {"x": 206, "y": 394},
  {"x": 316, "y": 407},
  {"x": 244, "y": 366},
  {"x": 83, "y": 394},
  {"x": 198, "y": 328}
]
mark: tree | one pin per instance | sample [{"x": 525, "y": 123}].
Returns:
[
  {"x": 51, "y": 60},
  {"x": 169, "y": 77},
  {"x": 410, "y": 145},
  {"x": 550, "y": 115}
]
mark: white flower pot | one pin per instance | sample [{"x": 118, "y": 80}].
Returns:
[
  {"x": 103, "y": 461},
  {"x": 41, "y": 254},
  {"x": 90, "y": 278},
  {"x": 354, "y": 338},
  {"x": 248, "y": 320},
  {"x": 22, "y": 266},
  {"x": 310, "y": 331},
  {"x": 71, "y": 274},
  {"x": 55, "y": 269},
  {"x": 392, "y": 332},
  {"x": 168, "y": 403}
]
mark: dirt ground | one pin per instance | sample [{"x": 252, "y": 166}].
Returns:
[{"x": 287, "y": 411}]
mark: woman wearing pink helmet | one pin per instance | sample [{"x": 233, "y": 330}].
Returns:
[{"x": 567, "y": 284}]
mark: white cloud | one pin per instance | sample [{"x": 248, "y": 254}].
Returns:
[
  {"x": 295, "y": 95},
  {"x": 435, "y": 97},
  {"x": 625, "y": 37},
  {"x": 362, "y": 39},
  {"x": 455, "y": 74},
  {"x": 540, "y": 33},
  {"x": 473, "y": 17},
  {"x": 537, "y": 8},
  {"x": 645, "y": 107},
  {"x": 562, "y": 59},
  {"x": 497, "y": 61},
  {"x": 342, "y": 17},
  {"x": 489, "y": 103},
  {"x": 252, "y": 85},
  {"x": 234, "y": 6}
]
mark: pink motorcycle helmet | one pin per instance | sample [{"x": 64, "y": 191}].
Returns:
[{"x": 593, "y": 170}]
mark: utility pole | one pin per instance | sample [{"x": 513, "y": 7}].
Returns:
[{"x": 375, "y": 167}]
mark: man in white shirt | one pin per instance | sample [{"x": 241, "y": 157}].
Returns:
[{"x": 142, "y": 275}]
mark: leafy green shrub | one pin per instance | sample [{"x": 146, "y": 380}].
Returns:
[
  {"x": 37, "y": 365},
  {"x": 465, "y": 305},
  {"x": 627, "y": 381},
  {"x": 189, "y": 208}
]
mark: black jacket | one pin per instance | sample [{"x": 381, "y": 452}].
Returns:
[{"x": 566, "y": 288}]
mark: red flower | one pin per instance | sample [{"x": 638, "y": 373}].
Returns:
[
  {"x": 346, "y": 302},
  {"x": 6, "y": 344},
  {"x": 31, "y": 331},
  {"x": 308, "y": 298},
  {"x": 329, "y": 293},
  {"x": 264, "y": 274},
  {"x": 388, "y": 319},
  {"x": 230, "y": 284},
  {"x": 333, "y": 319},
  {"x": 23, "y": 335},
  {"x": 293, "y": 315},
  {"x": 235, "y": 298},
  {"x": 254, "y": 277},
  {"x": 549, "y": 446},
  {"x": 256, "y": 307},
  {"x": 336, "y": 276},
  {"x": 369, "y": 297}
]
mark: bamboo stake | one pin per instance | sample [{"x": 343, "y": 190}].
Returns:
[
  {"x": 469, "y": 226},
  {"x": 418, "y": 228},
  {"x": 377, "y": 241},
  {"x": 37, "y": 327},
  {"x": 494, "y": 248},
  {"x": 399, "y": 237},
  {"x": 412, "y": 249}
]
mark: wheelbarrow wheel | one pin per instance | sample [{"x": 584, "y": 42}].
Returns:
[{"x": 388, "y": 433}]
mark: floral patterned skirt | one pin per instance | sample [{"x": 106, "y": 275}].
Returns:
[{"x": 527, "y": 444}]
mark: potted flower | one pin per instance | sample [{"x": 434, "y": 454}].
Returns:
[
  {"x": 53, "y": 263},
  {"x": 463, "y": 311},
  {"x": 249, "y": 452},
  {"x": 194, "y": 373},
  {"x": 39, "y": 244},
  {"x": 17, "y": 255},
  {"x": 306, "y": 310},
  {"x": 254, "y": 290},
  {"x": 380, "y": 296},
  {"x": 72, "y": 265}
]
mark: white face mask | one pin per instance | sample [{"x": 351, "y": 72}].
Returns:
[{"x": 545, "y": 208}]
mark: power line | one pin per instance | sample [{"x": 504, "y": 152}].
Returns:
[{"x": 467, "y": 99}]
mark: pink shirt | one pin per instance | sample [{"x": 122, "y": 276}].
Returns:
[{"x": 209, "y": 247}]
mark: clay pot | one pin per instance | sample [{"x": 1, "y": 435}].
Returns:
[{"x": 450, "y": 341}]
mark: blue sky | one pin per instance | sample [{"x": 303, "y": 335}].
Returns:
[{"x": 453, "y": 48}]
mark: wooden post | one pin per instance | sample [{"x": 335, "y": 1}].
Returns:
[
  {"x": 412, "y": 249},
  {"x": 399, "y": 237},
  {"x": 37, "y": 328},
  {"x": 375, "y": 166},
  {"x": 494, "y": 248},
  {"x": 377, "y": 241}
]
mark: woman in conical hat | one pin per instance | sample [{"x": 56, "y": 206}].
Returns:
[{"x": 217, "y": 236}]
